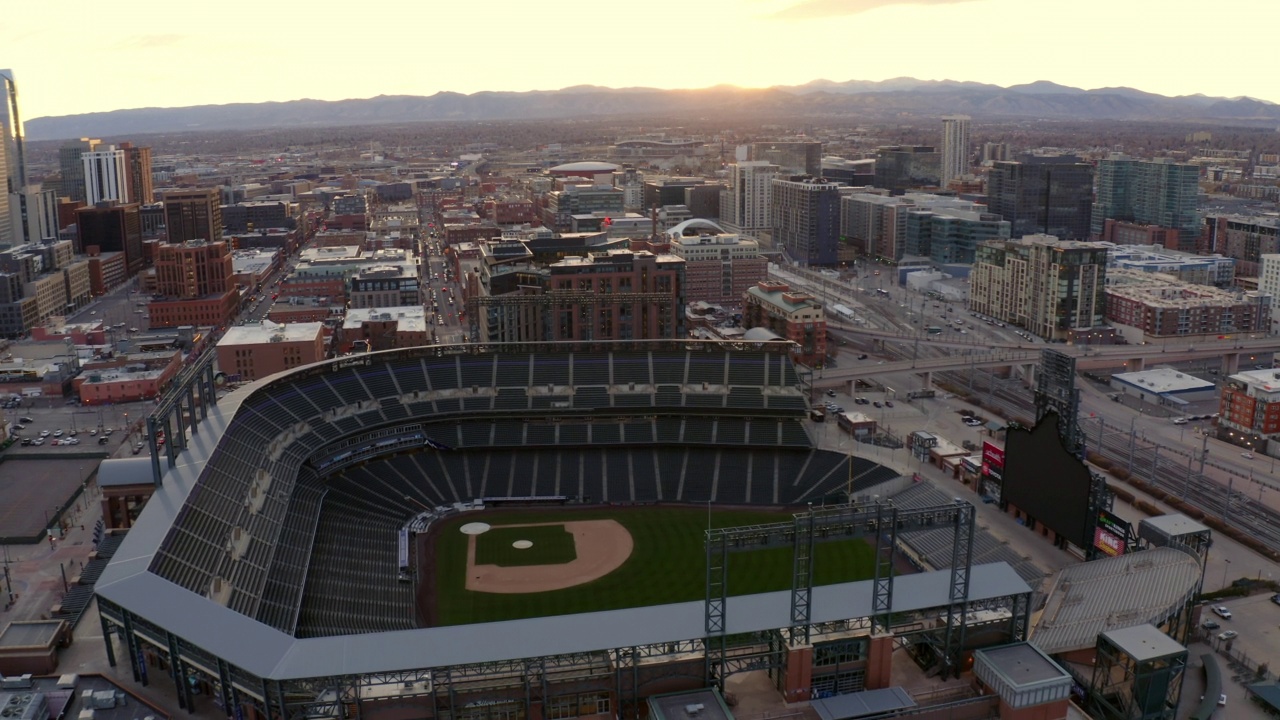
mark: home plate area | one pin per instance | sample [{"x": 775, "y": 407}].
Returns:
[{"x": 539, "y": 557}]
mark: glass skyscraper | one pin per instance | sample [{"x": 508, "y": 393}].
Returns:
[
  {"x": 1156, "y": 192},
  {"x": 1049, "y": 194},
  {"x": 13, "y": 161}
]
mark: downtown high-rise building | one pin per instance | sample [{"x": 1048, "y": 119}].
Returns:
[
  {"x": 72, "y": 166},
  {"x": 137, "y": 162},
  {"x": 744, "y": 206},
  {"x": 1046, "y": 194},
  {"x": 193, "y": 215},
  {"x": 105, "y": 176},
  {"x": 1156, "y": 192},
  {"x": 1053, "y": 288},
  {"x": 908, "y": 167},
  {"x": 793, "y": 157},
  {"x": 13, "y": 165},
  {"x": 805, "y": 214},
  {"x": 111, "y": 228},
  {"x": 955, "y": 147}
]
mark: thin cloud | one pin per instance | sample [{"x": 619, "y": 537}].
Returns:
[
  {"x": 149, "y": 42},
  {"x": 810, "y": 9}
]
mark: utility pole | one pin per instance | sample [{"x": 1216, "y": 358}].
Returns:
[
  {"x": 1132, "y": 438},
  {"x": 1204, "y": 450},
  {"x": 1187, "y": 485}
]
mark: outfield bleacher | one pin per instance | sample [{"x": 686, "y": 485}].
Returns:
[{"x": 934, "y": 547}]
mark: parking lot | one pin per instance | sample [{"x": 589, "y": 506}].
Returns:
[
  {"x": 51, "y": 415},
  {"x": 1255, "y": 620}
]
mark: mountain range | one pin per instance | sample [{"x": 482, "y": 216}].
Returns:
[{"x": 1041, "y": 99}]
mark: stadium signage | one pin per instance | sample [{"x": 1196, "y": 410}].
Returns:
[
  {"x": 992, "y": 461},
  {"x": 1110, "y": 533}
]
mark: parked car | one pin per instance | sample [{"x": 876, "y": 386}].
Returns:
[
  {"x": 57, "y": 433},
  {"x": 888, "y": 403},
  {"x": 1222, "y": 612},
  {"x": 25, "y": 419},
  {"x": 44, "y": 433},
  {"x": 103, "y": 440},
  {"x": 1228, "y": 635},
  {"x": 1210, "y": 625}
]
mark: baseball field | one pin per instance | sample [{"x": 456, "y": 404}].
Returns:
[{"x": 510, "y": 564}]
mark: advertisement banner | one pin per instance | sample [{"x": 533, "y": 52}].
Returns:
[
  {"x": 992, "y": 461},
  {"x": 1109, "y": 536}
]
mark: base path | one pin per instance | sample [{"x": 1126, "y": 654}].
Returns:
[{"x": 601, "y": 545}]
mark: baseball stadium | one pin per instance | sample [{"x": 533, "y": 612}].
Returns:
[{"x": 529, "y": 532}]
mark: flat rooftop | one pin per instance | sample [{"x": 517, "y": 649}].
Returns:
[
  {"x": 1163, "y": 380},
  {"x": 1144, "y": 642},
  {"x": 703, "y": 704},
  {"x": 862, "y": 704},
  {"x": 268, "y": 332},
  {"x": 1021, "y": 664},
  {"x": 1175, "y": 525},
  {"x": 36, "y": 633}
]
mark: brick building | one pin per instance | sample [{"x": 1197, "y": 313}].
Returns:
[
  {"x": 127, "y": 378},
  {"x": 384, "y": 328},
  {"x": 197, "y": 282},
  {"x": 790, "y": 314},
  {"x": 1150, "y": 307},
  {"x": 719, "y": 266},
  {"x": 615, "y": 295},
  {"x": 106, "y": 272},
  {"x": 1249, "y": 410},
  {"x": 256, "y": 351}
]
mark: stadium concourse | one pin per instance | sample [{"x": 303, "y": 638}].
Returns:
[{"x": 281, "y": 562}]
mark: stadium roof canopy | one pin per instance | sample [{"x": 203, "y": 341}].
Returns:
[
  {"x": 588, "y": 166},
  {"x": 125, "y": 471},
  {"x": 270, "y": 653},
  {"x": 131, "y": 584},
  {"x": 1091, "y": 598}
]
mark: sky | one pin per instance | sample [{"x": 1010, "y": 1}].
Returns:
[{"x": 78, "y": 56}]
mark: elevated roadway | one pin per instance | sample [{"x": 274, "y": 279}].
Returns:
[{"x": 1231, "y": 351}]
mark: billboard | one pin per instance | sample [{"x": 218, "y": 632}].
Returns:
[
  {"x": 1110, "y": 535},
  {"x": 1044, "y": 480},
  {"x": 992, "y": 461}
]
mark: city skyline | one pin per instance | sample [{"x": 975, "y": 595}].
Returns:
[{"x": 519, "y": 48}]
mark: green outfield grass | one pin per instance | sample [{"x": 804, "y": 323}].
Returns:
[
  {"x": 552, "y": 545},
  {"x": 668, "y": 564}
]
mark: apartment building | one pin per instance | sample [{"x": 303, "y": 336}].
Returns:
[
  {"x": 805, "y": 215},
  {"x": 789, "y": 314},
  {"x": 1147, "y": 307},
  {"x": 1053, "y": 288},
  {"x": 719, "y": 265}
]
